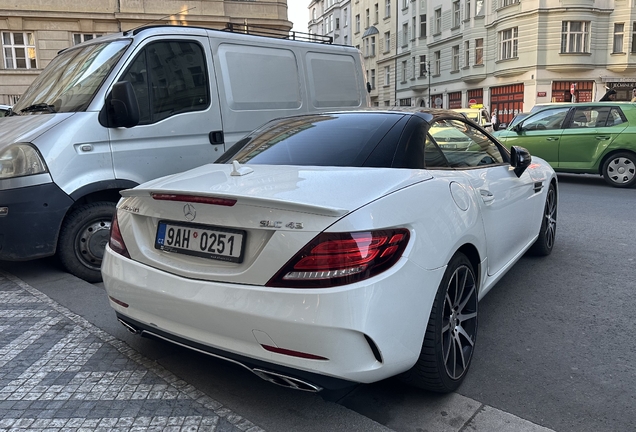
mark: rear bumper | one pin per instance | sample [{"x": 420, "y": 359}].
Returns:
[
  {"x": 361, "y": 332},
  {"x": 31, "y": 225}
]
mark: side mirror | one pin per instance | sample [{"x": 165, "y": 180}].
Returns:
[
  {"x": 517, "y": 128},
  {"x": 121, "y": 108},
  {"x": 502, "y": 126},
  {"x": 520, "y": 159}
]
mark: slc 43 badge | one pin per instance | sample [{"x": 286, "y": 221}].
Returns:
[{"x": 279, "y": 224}]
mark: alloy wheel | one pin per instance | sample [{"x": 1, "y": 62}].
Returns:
[{"x": 459, "y": 326}]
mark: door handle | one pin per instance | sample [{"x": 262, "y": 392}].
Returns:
[
  {"x": 216, "y": 137},
  {"x": 602, "y": 138},
  {"x": 552, "y": 138},
  {"x": 486, "y": 196}
]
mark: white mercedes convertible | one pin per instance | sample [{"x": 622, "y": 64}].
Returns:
[{"x": 331, "y": 249}]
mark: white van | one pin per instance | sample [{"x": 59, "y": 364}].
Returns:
[{"x": 119, "y": 110}]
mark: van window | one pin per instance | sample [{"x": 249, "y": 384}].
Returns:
[
  {"x": 326, "y": 92},
  {"x": 257, "y": 78},
  {"x": 169, "y": 77}
]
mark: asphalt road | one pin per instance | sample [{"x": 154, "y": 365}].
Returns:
[{"x": 555, "y": 348}]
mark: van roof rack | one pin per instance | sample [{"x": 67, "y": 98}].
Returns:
[{"x": 277, "y": 33}]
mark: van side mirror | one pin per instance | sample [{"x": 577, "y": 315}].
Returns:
[
  {"x": 121, "y": 108},
  {"x": 520, "y": 159}
]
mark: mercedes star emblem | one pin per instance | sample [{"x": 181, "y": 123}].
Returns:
[{"x": 189, "y": 212}]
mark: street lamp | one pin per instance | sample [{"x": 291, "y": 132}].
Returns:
[{"x": 427, "y": 70}]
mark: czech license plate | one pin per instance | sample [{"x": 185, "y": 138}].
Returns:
[{"x": 205, "y": 241}]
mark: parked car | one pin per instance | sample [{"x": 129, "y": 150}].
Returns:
[
  {"x": 479, "y": 115},
  {"x": 5, "y": 110},
  {"x": 119, "y": 110},
  {"x": 593, "y": 138},
  {"x": 330, "y": 249},
  {"x": 516, "y": 119}
]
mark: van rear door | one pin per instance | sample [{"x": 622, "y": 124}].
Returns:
[{"x": 180, "y": 120}]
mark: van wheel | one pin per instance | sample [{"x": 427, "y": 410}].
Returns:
[{"x": 83, "y": 238}]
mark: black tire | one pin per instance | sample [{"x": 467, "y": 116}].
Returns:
[
  {"x": 547, "y": 233},
  {"x": 83, "y": 238},
  {"x": 452, "y": 324},
  {"x": 619, "y": 170}
]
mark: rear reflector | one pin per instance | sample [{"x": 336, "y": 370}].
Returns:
[
  {"x": 194, "y": 199},
  {"x": 293, "y": 353},
  {"x": 119, "y": 302}
]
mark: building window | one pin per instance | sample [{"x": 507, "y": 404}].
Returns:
[
  {"x": 358, "y": 23},
  {"x": 505, "y": 3},
  {"x": 406, "y": 102},
  {"x": 345, "y": 17},
  {"x": 508, "y": 43},
  {"x": 479, "y": 8},
  {"x": 479, "y": 51},
  {"x": 575, "y": 37},
  {"x": 366, "y": 19},
  {"x": 423, "y": 25},
  {"x": 404, "y": 71},
  {"x": 466, "y": 53},
  {"x": 423, "y": 69},
  {"x": 405, "y": 4},
  {"x": 467, "y": 9},
  {"x": 619, "y": 30},
  {"x": 412, "y": 67},
  {"x": 372, "y": 79},
  {"x": 387, "y": 75},
  {"x": 456, "y": 14},
  {"x": 414, "y": 29},
  {"x": 330, "y": 23},
  {"x": 405, "y": 34},
  {"x": 438, "y": 21},
  {"x": 437, "y": 56},
  {"x": 455, "y": 60},
  {"x": 366, "y": 47},
  {"x": 387, "y": 8},
  {"x": 387, "y": 42},
  {"x": 634, "y": 37},
  {"x": 313, "y": 14},
  {"x": 78, "y": 38},
  {"x": 372, "y": 45},
  {"x": 337, "y": 23},
  {"x": 376, "y": 16},
  {"x": 19, "y": 50}
]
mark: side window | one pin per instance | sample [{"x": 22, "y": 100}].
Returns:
[
  {"x": 616, "y": 117},
  {"x": 464, "y": 145},
  {"x": 549, "y": 119},
  {"x": 169, "y": 77},
  {"x": 418, "y": 151}
]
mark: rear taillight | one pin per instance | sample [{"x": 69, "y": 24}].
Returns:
[
  {"x": 116, "y": 241},
  {"x": 333, "y": 259}
]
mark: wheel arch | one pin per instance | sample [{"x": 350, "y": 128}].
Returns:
[
  {"x": 100, "y": 191},
  {"x": 471, "y": 252},
  {"x": 612, "y": 153}
]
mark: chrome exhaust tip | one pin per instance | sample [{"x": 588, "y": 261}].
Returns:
[
  {"x": 129, "y": 327},
  {"x": 286, "y": 381}
]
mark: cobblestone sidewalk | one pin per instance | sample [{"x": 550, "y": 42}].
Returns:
[{"x": 58, "y": 372}]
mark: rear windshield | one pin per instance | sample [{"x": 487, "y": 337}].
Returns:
[{"x": 341, "y": 139}]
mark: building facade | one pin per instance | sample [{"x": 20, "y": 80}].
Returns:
[
  {"x": 32, "y": 32},
  {"x": 507, "y": 55}
]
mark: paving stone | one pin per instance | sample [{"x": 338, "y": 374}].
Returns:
[{"x": 58, "y": 372}]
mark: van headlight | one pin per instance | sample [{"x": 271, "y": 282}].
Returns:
[{"x": 20, "y": 160}]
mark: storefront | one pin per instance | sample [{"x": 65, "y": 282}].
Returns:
[
  {"x": 475, "y": 97},
  {"x": 573, "y": 91},
  {"x": 455, "y": 100},
  {"x": 623, "y": 88},
  {"x": 506, "y": 101}
]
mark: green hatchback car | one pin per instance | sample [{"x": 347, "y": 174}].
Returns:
[{"x": 593, "y": 138}]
